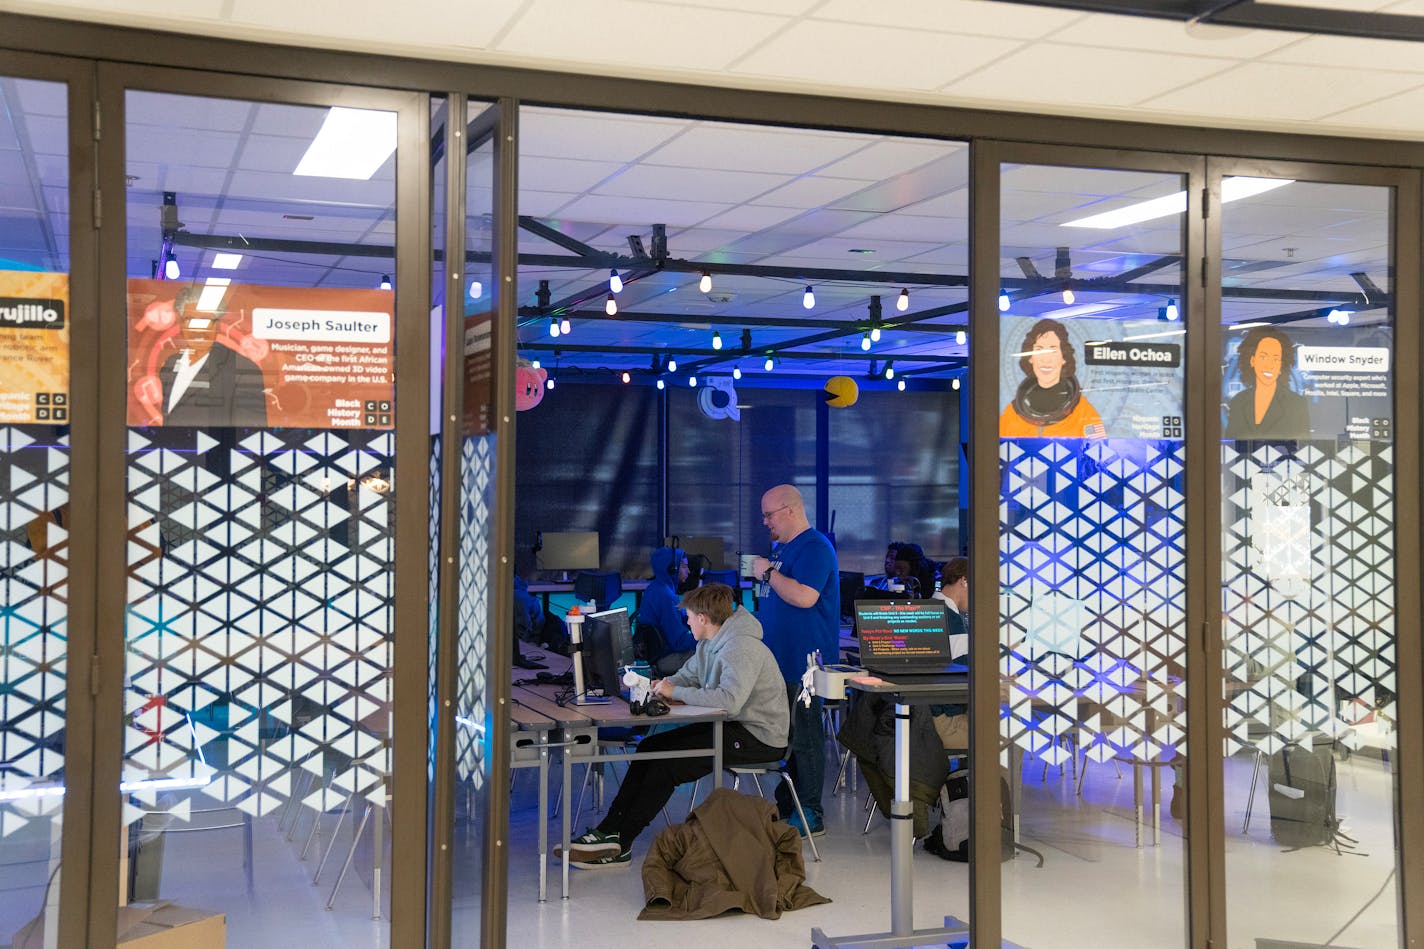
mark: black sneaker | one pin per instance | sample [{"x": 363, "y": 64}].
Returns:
[
  {"x": 597, "y": 861},
  {"x": 591, "y": 842}
]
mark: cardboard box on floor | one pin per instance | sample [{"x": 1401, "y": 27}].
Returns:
[{"x": 154, "y": 924}]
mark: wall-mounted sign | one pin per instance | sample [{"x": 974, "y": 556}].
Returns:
[
  {"x": 243, "y": 355},
  {"x": 1091, "y": 378},
  {"x": 34, "y": 348},
  {"x": 1308, "y": 382}
]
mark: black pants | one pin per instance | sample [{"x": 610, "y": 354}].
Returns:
[{"x": 648, "y": 784}]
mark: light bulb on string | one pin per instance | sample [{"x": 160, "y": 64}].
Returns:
[
  {"x": 661, "y": 384},
  {"x": 705, "y": 284},
  {"x": 769, "y": 364},
  {"x": 1068, "y": 296},
  {"x": 549, "y": 382},
  {"x": 385, "y": 277},
  {"x": 615, "y": 282},
  {"x": 672, "y": 364},
  {"x": 172, "y": 271},
  {"x": 692, "y": 382},
  {"x": 954, "y": 383},
  {"x": 611, "y": 306},
  {"x": 865, "y": 342},
  {"x": 535, "y": 364},
  {"x": 1172, "y": 313},
  {"x": 736, "y": 372},
  {"x": 716, "y": 340},
  {"x": 565, "y": 327},
  {"x": 626, "y": 377},
  {"x": 477, "y": 290},
  {"x": 902, "y": 303},
  {"x": 900, "y": 385},
  {"x": 554, "y": 328},
  {"x": 1004, "y": 302},
  {"x": 960, "y": 337},
  {"x": 890, "y": 371},
  {"x": 808, "y": 299},
  {"x": 875, "y": 334}
]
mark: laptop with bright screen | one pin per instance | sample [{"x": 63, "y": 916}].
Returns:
[{"x": 900, "y": 637}]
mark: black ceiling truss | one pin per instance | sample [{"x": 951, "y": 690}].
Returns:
[
  {"x": 639, "y": 265},
  {"x": 1249, "y": 14}
]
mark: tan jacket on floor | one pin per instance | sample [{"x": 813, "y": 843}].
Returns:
[{"x": 731, "y": 854}]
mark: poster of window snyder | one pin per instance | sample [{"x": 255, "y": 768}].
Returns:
[{"x": 1090, "y": 378}]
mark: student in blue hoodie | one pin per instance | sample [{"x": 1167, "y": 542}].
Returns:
[
  {"x": 660, "y": 609},
  {"x": 733, "y": 670}
]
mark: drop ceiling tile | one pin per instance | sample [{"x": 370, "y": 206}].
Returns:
[
  {"x": 37, "y": 97},
  {"x": 847, "y": 54},
  {"x": 161, "y": 110},
  {"x": 272, "y": 153},
  {"x": 1149, "y": 35},
  {"x": 631, "y": 31},
  {"x": 692, "y": 184},
  {"x": 636, "y": 212},
  {"x": 568, "y": 175},
  {"x": 812, "y": 192},
  {"x": 978, "y": 17},
  {"x": 901, "y": 227},
  {"x": 1397, "y": 115},
  {"x": 1351, "y": 52},
  {"x": 469, "y": 25},
  {"x": 1066, "y": 75},
  {"x": 561, "y": 133},
  {"x": 1279, "y": 91},
  {"x": 886, "y": 159},
  {"x": 751, "y": 218},
  {"x": 738, "y": 148}
]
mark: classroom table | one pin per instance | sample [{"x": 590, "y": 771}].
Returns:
[
  {"x": 529, "y": 748},
  {"x": 580, "y": 724},
  {"x": 950, "y": 687}
]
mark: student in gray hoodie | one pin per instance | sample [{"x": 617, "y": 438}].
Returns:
[{"x": 731, "y": 669}]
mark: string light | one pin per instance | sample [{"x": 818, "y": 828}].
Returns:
[
  {"x": 736, "y": 372},
  {"x": 960, "y": 337},
  {"x": 705, "y": 284},
  {"x": 954, "y": 383},
  {"x": 565, "y": 327},
  {"x": 172, "y": 272},
  {"x": 875, "y": 334},
  {"x": 865, "y": 342},
  {"x": 626, "y": 377},
  {"x": 477, "y": 290},
  {"x": 808, "y": 299},
  {"x": 890, "y": 370},
  {"x": 900, "y": 385},
  {"x": 1004, "y": 302},
  {"x": 902, "y": 303},
  {"x": 769, "y": 364},
  {"x": 692, "y": 381},
  {"x": 1068, "y": 296},
  {"x": 554, "y": 328},
  {"x": 611, "y": 306},
  {"x": 661, "y": 384},
  {"x": 549, "y": 382},
  {"x": 672, "y": 364},
  {"x": 716, "y": 340},
  {"x": 535, "y": 364},
  {"x": 1172, "y": 313},
  {"x": 615, "y": 282}
]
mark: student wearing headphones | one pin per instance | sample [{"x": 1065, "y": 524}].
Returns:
[{"x": 660, "y": 609}]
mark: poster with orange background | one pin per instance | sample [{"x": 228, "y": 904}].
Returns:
[{"x": 34, "y": 348}]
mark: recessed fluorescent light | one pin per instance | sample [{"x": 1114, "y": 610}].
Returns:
[
  {"x": 352, "y": 143},
  {"x": 1232, "y": 189},
  {"x": 211, "y": 297},
  {"x": 226, "y": 261}
]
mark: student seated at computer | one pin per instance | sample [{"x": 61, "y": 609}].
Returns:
[
  {"x": 906, "y": 566},
  {"x": 731, "y": 669},
  {"x": 531, "y": 623},
  {"x": 951, "y": 721},
  {"x": 696, "y": 563},
  {"x": 672, "y": 641}
]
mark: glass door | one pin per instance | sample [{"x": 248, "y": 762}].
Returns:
[
  {"x": 1092, "y": 547},
  {"x": 1311, "y": 296},
  {"x": 267, "y": 329}
]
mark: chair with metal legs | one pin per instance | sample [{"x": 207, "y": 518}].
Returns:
[{"x": 778, "y": 768}]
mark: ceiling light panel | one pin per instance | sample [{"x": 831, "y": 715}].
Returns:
[{"x": 352, "y": 143}]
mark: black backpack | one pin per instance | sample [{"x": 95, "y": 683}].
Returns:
[
  {"x": 950, "y": 840},
  {"x": 1302, "y": 796}
]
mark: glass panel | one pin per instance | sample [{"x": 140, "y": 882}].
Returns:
[
  {"x": 261, "y": 515},
  {"x": 1308, "y": 563},
  {"x": 478, "y": 448},
  {"x": 34, "y": 496},
  {"x": 1092, "y": 559}
]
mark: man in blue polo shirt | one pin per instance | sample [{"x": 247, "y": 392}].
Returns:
[{"x": 800, "y": 613}]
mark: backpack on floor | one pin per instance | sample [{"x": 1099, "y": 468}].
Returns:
[
  {"x": 950, "y": 840},
  {"x": 1302, "y": 796}
]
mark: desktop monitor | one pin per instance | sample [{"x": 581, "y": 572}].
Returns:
[
  {"x": 713, "y": 548},
  {"x": 602, "y": 588},
  {"x": 607, "y": 648},
  {"x": 564, "y": 551}
]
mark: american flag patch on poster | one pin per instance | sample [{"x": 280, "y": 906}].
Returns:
[{"x": 1096, "y": 430}]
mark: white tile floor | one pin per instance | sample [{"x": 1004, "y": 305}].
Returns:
[{"x": 1095, "y": 889}]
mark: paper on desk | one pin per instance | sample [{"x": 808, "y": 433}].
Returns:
[{"x": 639, "y": 686}]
